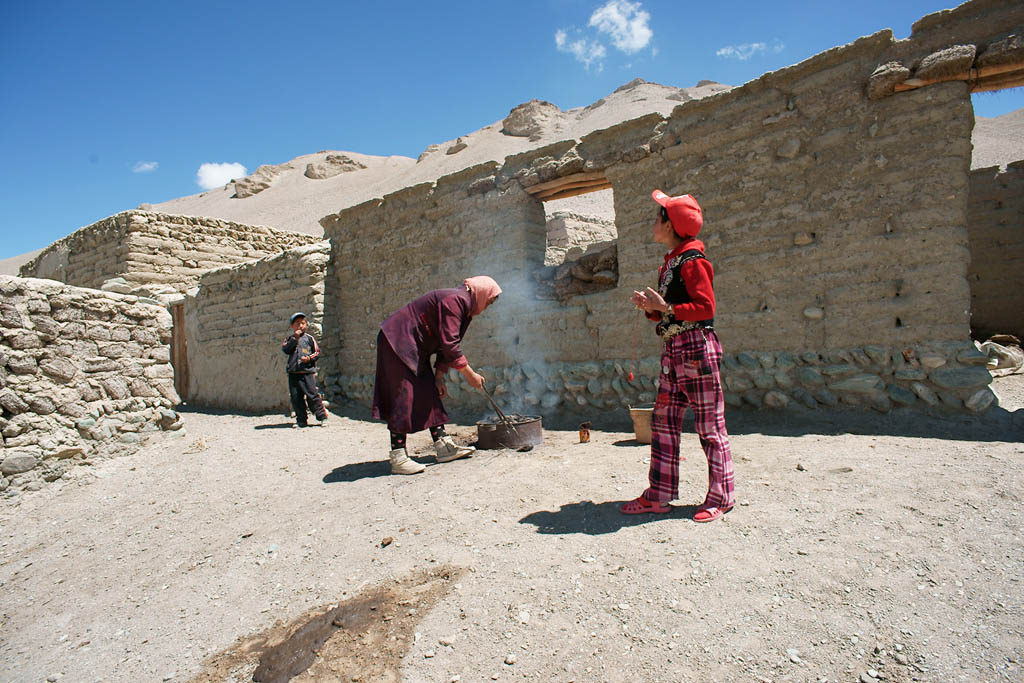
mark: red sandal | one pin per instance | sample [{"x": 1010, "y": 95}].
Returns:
[
  {"x": 710, "y": 514},
  {"x": 641, "y": 505}
]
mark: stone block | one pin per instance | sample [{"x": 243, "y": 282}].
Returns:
[
  {"x": 932, "y": 360},
  {"x": 826, "y": 397},
  {"x": 972, "y": 356},
  {"x": 859, "y": 384},
  {"x": 805, "y": 397},
  {"x": 960, "y": 378},
  {"x": 22, "y": 365},
  {"x": 924, "y": 393},
  {"x": 809, "y": 377},
  {"x": 12, "y": 403},
  {"x": 17, "y": 461},
  {"x": 748, "y": 360},
  {"x": 41, "y": 405},
  {"x": 59, "y": 369},
  {"x": 910, "y": 374},
  {"x": 900, "y": 394},
  {"x": 885, "y": 78},
  {"x": 980, "y": 400},
  {"x": 738, "y": 384}
]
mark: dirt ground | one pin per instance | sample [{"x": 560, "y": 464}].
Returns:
[{"x": 864, "y": 547}]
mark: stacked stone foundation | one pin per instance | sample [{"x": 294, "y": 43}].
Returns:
[
  {"x": 936, "y": 378},
  {"x": 83, "y": 374}
]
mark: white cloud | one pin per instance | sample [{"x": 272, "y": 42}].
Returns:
[
  {"x": 145, "y": 166},
  {"x": 747, "y": 50},
  {"x": 625, "y": 22},
  {"x": 585, "y": 51},
  {"x": 212, "y": 175}
]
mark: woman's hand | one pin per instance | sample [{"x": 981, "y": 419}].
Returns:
[
  {"x": 473, "y": 378},
  {"x": 442, "y": 389},
  {"x": 649, "y": 300}
]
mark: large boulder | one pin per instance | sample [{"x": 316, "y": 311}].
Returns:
[
  {"x": 332, "y": 165},
  {"x": 530, "y": 119},
  {"x": 262, "y": 178}
]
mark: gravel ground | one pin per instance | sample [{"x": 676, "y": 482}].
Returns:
[{"x": 864, "y": 547}]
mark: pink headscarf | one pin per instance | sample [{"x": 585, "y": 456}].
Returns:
[{"x": 481, "y": 289}]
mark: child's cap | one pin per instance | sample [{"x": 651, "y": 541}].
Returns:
[
  {"x": 684, "y": 212},
  {"x": 296, "y": 316}
]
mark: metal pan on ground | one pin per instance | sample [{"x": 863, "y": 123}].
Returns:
[{"x": 519, "y": 432}]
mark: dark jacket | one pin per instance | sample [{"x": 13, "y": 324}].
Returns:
[
  {"x": 433, "y": 323},
  {"x": 295, "y": 349}
]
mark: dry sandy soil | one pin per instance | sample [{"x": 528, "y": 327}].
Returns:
[{"x": 862, "y": 544}]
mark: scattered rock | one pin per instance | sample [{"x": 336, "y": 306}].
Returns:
[
  {"x": 530, "y": 119},
  {"x": 17, "y": 461},
  {"x": 332, "y": 165},
  {"x": 117, "y": 285},
  {"x": 952, "y": 61},
  {"x": 885, "y": 78},
  {"x": 386, "y": 541},
  {"x": 262, "y": 178}
]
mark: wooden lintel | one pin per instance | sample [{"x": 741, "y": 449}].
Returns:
[
  {"x": 983, "y": 77},
  {"x": 1007, "y": 80},
  {"x": 571, "y": 186},
  {"x": 566, "y": 180},
  {"x": 574, "y": 192}
]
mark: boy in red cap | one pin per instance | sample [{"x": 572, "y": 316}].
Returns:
[{"x": 684, "y": 308}]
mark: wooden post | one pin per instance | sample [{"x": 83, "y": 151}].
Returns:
[{"x": 179, "y": 351}]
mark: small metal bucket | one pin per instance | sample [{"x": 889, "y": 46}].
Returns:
[{"x": 525, "y": 430}]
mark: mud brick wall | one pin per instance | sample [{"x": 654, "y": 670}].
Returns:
[
  {"x": 154, "y": 248},
  {"x": 236, "y": 321},
  {"x": 837, "y": 225},
  {"x": 83, "y": 374},
  {"x": 995, "y": 232},
  {"x": 433, "y": 236}
]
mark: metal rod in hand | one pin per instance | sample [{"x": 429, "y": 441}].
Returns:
[
  {"x": 501, "y": 415},
  {"x": 504, "y": 418}
]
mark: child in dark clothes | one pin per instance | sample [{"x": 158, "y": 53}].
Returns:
[{"x": 303, "y": 352}]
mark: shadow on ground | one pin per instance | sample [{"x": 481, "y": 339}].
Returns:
[
  {"x": 587, "y": 517},
  {"x": 996, "y": 424},
  {"x": 358, "y": 470}
]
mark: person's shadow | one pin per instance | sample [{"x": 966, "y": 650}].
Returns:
[
  {"x": 276, "y": 425},
  {"x": 358, "y": 470},
  {"x": 587, "y": 517}
]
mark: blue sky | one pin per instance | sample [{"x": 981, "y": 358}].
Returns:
[{"x": 107, "y": 105}]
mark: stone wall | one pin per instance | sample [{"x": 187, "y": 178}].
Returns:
[
  {"x": 235, "y": 323},
  {"x": 83, "y": 374},
  {"x": 148, "y": 248},
  {"x": 836, "y": 223},
  {"x": 995, "y": 233}
]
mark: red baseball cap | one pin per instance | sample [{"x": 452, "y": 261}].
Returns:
[{"x": 684, "y": 212}]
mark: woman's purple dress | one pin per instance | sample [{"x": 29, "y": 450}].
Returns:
[{"x": 404, "y": 393}]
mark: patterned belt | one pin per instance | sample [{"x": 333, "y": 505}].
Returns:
[{"x": 669, "y": 330}]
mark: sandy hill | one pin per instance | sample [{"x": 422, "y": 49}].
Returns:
[
  {"x": 292, "y": 200},
  {"x": 998, "y": 141},
  {"x": 294, "y": 195}
]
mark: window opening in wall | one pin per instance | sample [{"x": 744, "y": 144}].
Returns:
[{"x": 581, "y": 245}]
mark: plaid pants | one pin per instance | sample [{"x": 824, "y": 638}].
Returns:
[{"x": 690, "y": 377}]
